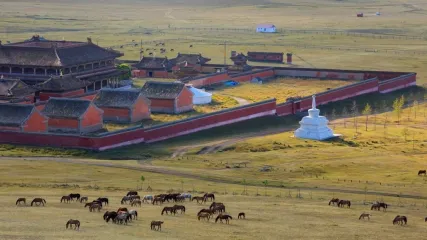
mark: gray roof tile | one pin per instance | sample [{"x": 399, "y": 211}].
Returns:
[{"x": 66, "y": 108}]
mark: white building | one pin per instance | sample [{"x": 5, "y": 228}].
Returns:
[
  {"x": 266, "y": 28},
  {"x": 200, "y": 97}
]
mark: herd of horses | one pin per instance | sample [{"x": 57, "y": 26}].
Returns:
[
  {"x": 400, "y": 220},
  {"x": 124, "y": 215}
]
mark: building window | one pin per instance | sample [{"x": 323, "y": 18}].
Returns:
[
  {"x": 81, "y": 68},
  {"x": 4, "y": 69},
  {"x": 40, "y": 71},
  {"x": 51, "y": 71},
  {"x": 28, "y": 70},
  {"x": 16, "y": 70},
  {"x": 96, "y": 65}
]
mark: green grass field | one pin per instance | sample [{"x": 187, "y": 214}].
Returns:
[{"x": 364, "y": 166}]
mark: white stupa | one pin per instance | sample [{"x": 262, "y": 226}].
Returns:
[{"x": 314, "y": 126}]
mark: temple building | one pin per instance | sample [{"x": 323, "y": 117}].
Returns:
[
  {"x": 14, "y": 90},
  {"x": 37, "y": 60},
  {"x": 240, "y": 63}
]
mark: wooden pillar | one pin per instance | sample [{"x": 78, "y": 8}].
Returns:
[
  {"x": 94, "y": 86},
  {"x": 34, "y": 70},
  {"x": 86, "y": 89},
  {"x": 23, "y": 70},
  {"x": 45, "y": 71},
  {"x": 10, "y": 69}
]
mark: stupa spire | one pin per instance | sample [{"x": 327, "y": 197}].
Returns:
[{"x": 313, "y": 103}]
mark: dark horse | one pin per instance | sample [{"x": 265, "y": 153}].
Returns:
[
  {"x": 74, "y": 195},
  {"x": 223, "y": 217},
  {"x": 38, "y": 201},
  {"x": 241, "y": 215},
  {"x": 71, "y": 222},
  {"x": 169, "y": 209},
  {"x": 132, "y": 193},
  {"x": 400, "y": 220},
  {"x": 209, "y": 211},
  {"x": 179, "y": 207},
  {"x": 21, "y": 200},
  {"x": 334, "y": 201},
  {"x": 378, "y": 206},
  {"x": 159, "y": 200},
  {"x": 202, "y": 199},
  {"x": 156, "y": 224},
  {"x": 110, "y": 215},
  {"x": 103, "y": 200},
  {"x": 422, "y": 172},
  {"x": 342, "y": 203},
  {"x": 66, "y": 199},
  {"x": 83, "y": 199},
  {"x": 209, "y": 196}
]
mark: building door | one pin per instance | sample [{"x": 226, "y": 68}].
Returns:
[{"x": 150, "y": 74}]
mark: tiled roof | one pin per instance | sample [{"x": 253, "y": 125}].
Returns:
[
  {"x": 66, "y": 108},
  {"x": 162, "y": 90},
  {"x": 14, "y": 115},
  {"x": 15, "y": 88},
  {"x": 62, "y": 83},
  {"x": 53, "y": 53},
  {"x": 117, "y": 98},
  {"x": 153, "y": 62},
  {"x": 190, "y": 59}
]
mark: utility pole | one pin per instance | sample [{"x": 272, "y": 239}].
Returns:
[
  {"x": 225, "y": 53},
  {"x": 140, "y": 50}
]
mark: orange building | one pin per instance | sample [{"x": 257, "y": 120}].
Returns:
[
  {"x": 123, "y": 106},
  {"x": 21, "y": 118},
  {"x": 168, "y": 97},
  {"x": 62, "y": 86},
  {"x": 71, "y": 115}
]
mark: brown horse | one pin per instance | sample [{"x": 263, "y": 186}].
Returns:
[
  {"x": 132, "y": 193},
  {"x": 209, "y": 196},
  {"x": 334, "y": 201},
  {"x": 66, "y": 199},
  {"x": 342, "y": 203},
  {"x": 72, "y": 222},
  {"x": 363, "y": 215},
  {"x": 214, "y": 204},
  {"x": 198, "y": 199},
  {"x": 38, "y": 201},
  {"x": 241, "y": 215},
  {"x": 95, "y": 206},
  {"x": 21, "y": 200},
  {"x": 83, "y": 199},
  {"x": 210, "y": 211},
  {"x": 169, "y": 209},
  {"x": 425, "y": 219},
  {"x": 218, "y": 209},
  {"x": 422, "y": 172},
  {"x": 122, "y": 209},
  {"x": 179, "y": 207},
  {"x": 156, "y": 224},
  {"x": 136, "y": 203},
  {"x": 378, "y": 206},
  {"x": 204, "y": 215},
  {"x": 225, "y": 217},
  {"x": 158, "y": 200},
  {"x": 400, "y": 220}
]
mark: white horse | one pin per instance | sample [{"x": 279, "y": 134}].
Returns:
[
  {"x": 133, "y": 213},
  {"x": 146, "y": 198},
  {"x": 186, "y": 195}
]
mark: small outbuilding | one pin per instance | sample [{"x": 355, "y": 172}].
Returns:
[
  {"x": 61, "y": 86},
  {"x": 200, "y": 97},
  {"x": 72, "y": 115},
  {"x": 15, "y": 89},
  {"x": 168, "y": 97},
  {"x": 123, "y": 105},
  {"x": 266, "y": 28},
  {"x": 21, "y": 118}
]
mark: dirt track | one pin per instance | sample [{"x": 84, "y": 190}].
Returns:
[{"x": 164, "y": 170}]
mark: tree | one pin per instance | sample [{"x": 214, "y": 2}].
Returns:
[
  {"x": 367, "y": 111},
  {"x": 398, "y": 106},
  {"x": 265, "y": 182},
  {"x": 354, "y": 112},
  {"x": 375, "y": 111},
  {"x": 126, "y": 69},
  {"x": 415, "y": 108},
  {"x": 384, "y": 106},
  {"x": 405, "y": 133},
  {"x": 344, "y": 113},
  {"x": 333, "y": 115},
  {"x": 385, "y": 125},
  {"x": 142, "y": 180}
]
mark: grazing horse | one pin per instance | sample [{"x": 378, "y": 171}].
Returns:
[
  {"x": 66, "y": 199},
  {"x": 180, "y": 199},
  {"x": 159, "y": 200},
  {"x": 400, "y": 220},
  {"x": 156, "y": 224},
  {"x": 363, "y": 215},
  {"x": 209, "y": 196},
  {"x": 186, "y": 196},
  {"x": 422, "y": 172},
  {"x": 342, "y": 203},
  {"x": 202, "y": 199},
  {"x": 378, "y": 206},
  {"x": 209, "y": 211},
  {"x": 204, "y": 215},
  {"x": 83, "y": 199},
  {"x": 214, "y": 204},
  {"x": 122, "y": 209},
  {"x": 225, "y": 217},
  {"x": 95, "y": 206},
  {"x": 171, "y": 197},
  {"x": 218, "y": 209},
  {"x": 169, "y": 209},
  {"x": 146, "y": 198},
  {"x": 38, "y": 201},
  {"x": 136, "y": 203},
  {"x": 425, "y": 219},
  {"x": 110, "y": 215},
  {"x": 103, "y": 200},
  {"x": 179, "y": 207},
  {"x": 74, "y": 195},
  {"x": 132, "y": 193},
  {"x": 21, "y": 200},
  {"x": 241, "y": 215},
  {"x": 133, "y": 213},
  {"x": 122, "y": 217},
  {"x": 72, "y": 222},
  {"x": 334, "y": 201},
  {"x": 126, "y": 199}
]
